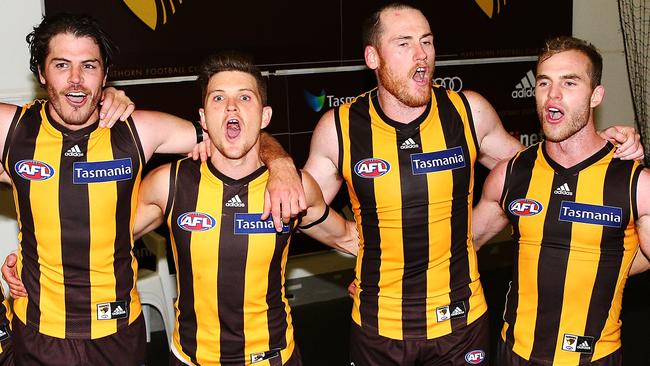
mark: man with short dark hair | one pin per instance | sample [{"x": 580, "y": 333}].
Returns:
[
  {"x": 231, "y": 308},
  {"x": 579, "y": 216}
]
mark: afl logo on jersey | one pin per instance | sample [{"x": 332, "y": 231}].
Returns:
[
  {"x": 525, "y": 207},
  {"x": 34, "y": 170},
  {"x": 196, "y": 221},
  {"x": 371, "y": 168},
  {"x": 475, "y": 357}
]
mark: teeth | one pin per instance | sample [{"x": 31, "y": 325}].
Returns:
[
  {"x": 233, "y": 121},
  {"x": 76, "y": 94},
  {"x": 419, "y": 69},
  {"x": 553, "y": 110}
]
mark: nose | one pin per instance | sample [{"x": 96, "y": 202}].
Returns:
[
  {"x": 420, "y": 53},
  {"x": 554, "y": 91},
  {"x": 75, "y": 76},
  {"x": 231, "y": 104}
]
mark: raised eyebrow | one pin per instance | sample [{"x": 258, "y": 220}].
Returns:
[
  {"x": 426, "y": 35},
  {"x": 571, "y": 76}
]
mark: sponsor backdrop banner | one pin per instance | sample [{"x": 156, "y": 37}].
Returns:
[{"x": 167, "y": 38}]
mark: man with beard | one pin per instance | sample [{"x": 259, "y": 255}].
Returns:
[
  {"x": 75, "y": 187},
  {"x": 406, "y": 152},
  {"x": 231, "y": 308},
  {"x": 579, "y": 215}
]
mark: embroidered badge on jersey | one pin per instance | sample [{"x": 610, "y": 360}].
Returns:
[
  {"x": 112, "y": 310},
  {"x": 591, "y": 214},
  {"x": 85, "y": 172},
  {"x": 250, "y": 223},
  {"x": 451, "y": 311},
  {"x": 437, "y": 161},
  {"x": 34, "y": 170},
  {"x": 574, "y": 343},
  {"x": 196, "y": 221},
  {"x": 525, "y": 207},
  {"x": 261, "y": 356},
  {"x": 371, "y": 168}
]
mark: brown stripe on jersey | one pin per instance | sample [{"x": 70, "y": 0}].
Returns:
[
  {"x": 30, "y": 274},
  {"x": 364, "y": 188},
  {"x": 633, "y": 193},
  {"x": 276, "y": 316},
  {"x": 75, "y": 241},
  {"x": 122, "y": 141},
  {"x": 185, "y": 201},
  {"x": 231, "y": 276},
  {"x": 459, "y": 271},
  {"x": 520, "y": 171},
  {"x": 415, "y": 236},
  {"x": 551, "y": 271},
  {"x": 616, "y": 193}
]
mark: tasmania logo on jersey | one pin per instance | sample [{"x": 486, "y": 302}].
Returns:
[
  {"x": 436, "y": 161},
  {"x": 84, "y": 172},
  {"x": 591, "y": 214},
  {"x": 34, "y": 170},
  {"x": 250, "y": 223},
  {"x": 525, "y": 207},
  {"x": 371, "y": 168},
  {"x": 196, "y": 221}
]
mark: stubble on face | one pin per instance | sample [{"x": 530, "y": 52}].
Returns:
[{"x": 398, "y": 86}]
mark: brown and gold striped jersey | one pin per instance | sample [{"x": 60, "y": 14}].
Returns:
[
  {"x": 411, "y": 188},
  {"x": 231, "y": 307},
  {"x": 575, "y": 242},
  {"x": 75, "y": 194}
]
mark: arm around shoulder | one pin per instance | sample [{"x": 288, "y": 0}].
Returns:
[
  {"x": 643, "y": 209},
  {"x": 164, "y": 133},
  {"x": 324, "y": 224},
  {"x": 495, "y": 142}
]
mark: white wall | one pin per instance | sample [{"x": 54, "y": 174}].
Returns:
[
  {"x": 17, "y": 17},
  {"x": 597, "y": 21}
]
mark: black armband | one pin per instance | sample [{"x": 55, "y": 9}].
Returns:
[
  {"x": 321, "y": 219},
  {"x": 199, "y": 132}
]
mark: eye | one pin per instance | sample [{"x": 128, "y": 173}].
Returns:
[
  {"x": 218, "y": 98},
  {"x": 60, "y": 65},
  {"x": 89, "y": 66},
  {"x": 542, "y": 83},
  {"x": 571, "y": 83},
  {"x": 245, "y": 97}
]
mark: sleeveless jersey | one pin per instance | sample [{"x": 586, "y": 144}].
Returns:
[
  {"x": 231, "y": 307},
  {"x": 411, "y": 188},
  {"x": 75, "y": 194},
  {"x": 575, "y": 241}
]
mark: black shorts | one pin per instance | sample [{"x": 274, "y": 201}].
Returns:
[
  {"x": 294, "y": 360},
  {"x": 126, "y": 347},
  {"x": 506, "y": 357},
  {"x": 463, "y": 347}
]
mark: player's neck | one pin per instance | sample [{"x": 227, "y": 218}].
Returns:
[
  {"x": 394, "y": 109},
  {"x": 576, "y": 148},
  {"x": 237, "y": 168},
  {"x": 55, "y": 118}
]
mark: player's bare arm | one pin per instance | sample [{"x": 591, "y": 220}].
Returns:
[
  {"x": 7, "y": 113},
  {"x": 152, "y": 200},
  {"x": 324, "y": 224},
  {"x": 488, "y": 218},
  {"x": 322, "y": 163},
  {"x": 495, "y": 142},
  {"x": 643, "y": 207}
]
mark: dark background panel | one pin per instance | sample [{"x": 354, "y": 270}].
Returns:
[{"x": 296, "y": 34}]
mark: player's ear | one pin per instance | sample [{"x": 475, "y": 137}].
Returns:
[{"x": 267, "y": 112}]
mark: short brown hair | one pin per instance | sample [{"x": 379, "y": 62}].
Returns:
[
  {"x": 372, "y": 25},
  {"x": 556, "y": 45},
  {"x": 231, "y": 61}
]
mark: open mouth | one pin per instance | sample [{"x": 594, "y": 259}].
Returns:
[
  {"x": 76, "y": 98},
  {"x": 554, "y": 114},
  {"x": 233, "y": 128},
  {"x": 420, "y": 74}
]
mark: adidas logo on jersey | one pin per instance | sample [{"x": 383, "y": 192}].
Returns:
[
  {"x": 235, "y": 202},
  {"x": 584, "y": 345},
  {"x": 409, "y": 144},
  {"x": 457, "y": 312},
  {"x": 564, "y": 190},
  {"x": 118, "y": 311},
  {"x": 574, "y": 343},
  {"x": 74, "y": 151},
  {"x": 526, "y": 87}
]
